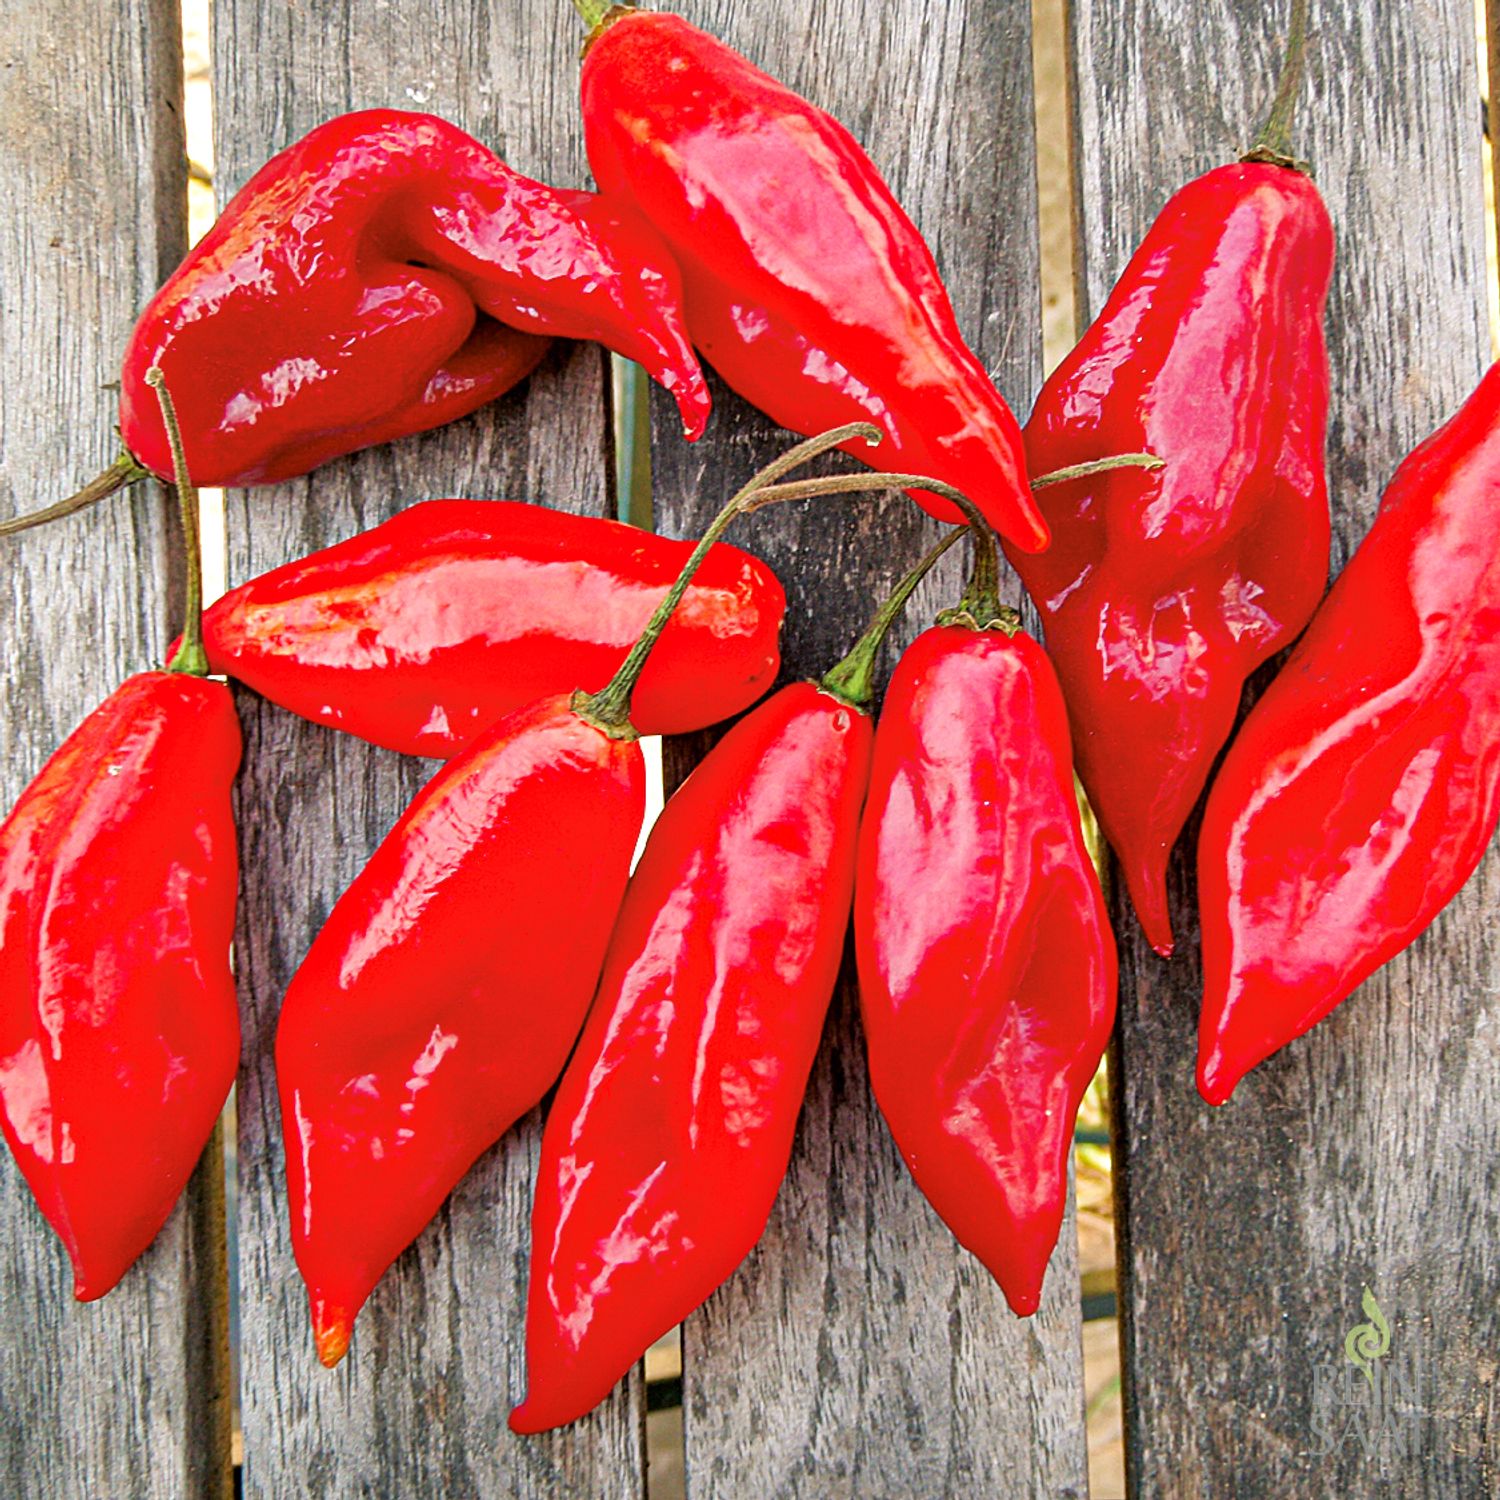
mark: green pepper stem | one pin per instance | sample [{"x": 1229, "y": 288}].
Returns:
[
  {"x": 190, "y": 657},
  {"x": 122, "y": 473},
  {"x": 1099, "y": 466},
  {"x": 1274, "y": 143},
  {"x": 853, "y": 679},
  {"x": 609, "y": 708},
  {"x": 591, "y": 12},
  {"x": 980, "y": 607},
  {"x": 863, "y": 484}
]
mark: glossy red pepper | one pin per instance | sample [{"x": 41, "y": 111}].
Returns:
[
  {"x": 986, "y": 962},
  {"x": 1364, "y": 787},
  {"x": 1163, "y": 591},
  {"x": 119, "y": 1033},
  {"x": 421, "y": 632},
  {"x": 672, "y": 1127},
  {"x": 440, "y": 999},
  {"x": 807, "y": 287},
  {"x": 384, "y": 275},
  {"x": 442, "y": 996}
]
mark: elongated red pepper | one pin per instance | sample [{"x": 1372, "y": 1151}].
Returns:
[
  {"x": 442, "y": 997},
  {"x": 808, "y": 288},
  {"x": 1364, "y": 787},
  {"x": 385, "y": 275},
  {"x": 425, "y": 630},
  {"x": 986, "y": 962},
  {"x": 1163, "y": 591},
  {"x": 119, "y": 1034},
  {"x": 673, "y": 1124}
]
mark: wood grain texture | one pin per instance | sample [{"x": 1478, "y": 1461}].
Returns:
[
  {"x": 1363, "y": 1154},
  {"x": 859, "y": 1351},
  {"x": 127, "y": 1396},
  {"x": 418, "y": 1408}
]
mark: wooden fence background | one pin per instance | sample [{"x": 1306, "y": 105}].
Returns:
[{"x": 858, "y": 1353}]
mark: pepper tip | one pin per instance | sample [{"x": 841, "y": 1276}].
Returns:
[
  {"x": 331, "y": 1331},
  {"x": 1023, "y": 1301},
  {"x": 1038, "y": 536},
  {"x": 1215, "y": 1083},
  {"x": 522, "y": 1420}
]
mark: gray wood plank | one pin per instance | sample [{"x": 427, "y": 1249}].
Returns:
[
  {"x": 418, "y": 1408},
  {"x": 1363, "y": 1154},
  {"x": 129, "y": 1395},
  {"x": 859, "y": 1351}
]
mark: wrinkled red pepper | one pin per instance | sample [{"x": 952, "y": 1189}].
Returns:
[
  {"x": 119, "y": 1032},
  {"x": 443, "y": 994},
  {"x": 423, "y": 631},
  {"x": 1163, "y": 591},
  {"x": 1364, "y": 787},
  {"x": 374, "y": 280},
  {"x": 807, "y": 286},
  {"x": 385, "y": 275},
  {"x": 672, "y": 1127},
  {"x": 986, "y": 961}
]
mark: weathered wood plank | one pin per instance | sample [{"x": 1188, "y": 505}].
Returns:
[
  {"x": 418, "y": 1408},
  {"x": 1365, "y": 1153},
  {"x": 860, "y": 1352},
  {"x": 127, "y": 1396}
]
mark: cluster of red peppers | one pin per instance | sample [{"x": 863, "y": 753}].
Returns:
[{"x": 387, "y": 274}]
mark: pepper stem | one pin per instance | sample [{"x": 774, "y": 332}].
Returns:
[
  {"x": 1099, "y": 466},
  {"x": 122, "y": 473},
  {"x": 1274, "y": 143},
  {"x": 609, "y": 708},
  {"x": 853, "y": 679},
  {"x": 980, "y": 607},
  {"x": 591, "y": 12},
  {"x": 190, "y": 656}
]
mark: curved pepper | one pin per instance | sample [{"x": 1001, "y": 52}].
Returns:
[
  {"x": 672, "y": 1127},
  {"x": 807, "y": 287},
  {"x": 119, "y": 1034},
  {"x": 385, "y": 275},
  {"x": 986, "y": 962},
  {"x": 424, "y": 630},
  {"x": 1364, "y": 787},
  {"x": 1163, "y": 591}
]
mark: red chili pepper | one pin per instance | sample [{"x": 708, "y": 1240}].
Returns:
[
  {"x": 367, "y": 283},
  {"x": 119, "y": 1034},
  {"x": 385, "y": 275},
  {"x": 807, "y": 287},
  {"x": 441, "y": 998},
  {"x": 986, "y": 962},
  {"x": 1364, "y": 787},
  {"x": 673, "y": 1124},
  {"x": 425, "y": 630},
  {"x": 1163, "y": 592}
]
